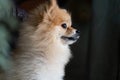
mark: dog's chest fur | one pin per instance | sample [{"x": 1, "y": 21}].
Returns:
[{"x": 29, "y": 66}]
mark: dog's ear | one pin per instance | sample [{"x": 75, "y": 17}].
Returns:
[
  {"x": 42, "y": 12},
  {"x": 48, "y": 5},
  {"x": 50, "y": 10},
  {"x": 53, "y": 5}
]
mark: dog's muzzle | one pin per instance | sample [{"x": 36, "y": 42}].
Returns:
[{"x": 73, "y": 37}]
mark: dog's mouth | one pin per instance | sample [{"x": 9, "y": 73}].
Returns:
[{"x": 72, "y": 38}]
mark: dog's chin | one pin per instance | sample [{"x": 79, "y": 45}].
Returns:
[{"x": 69, "y": 40}]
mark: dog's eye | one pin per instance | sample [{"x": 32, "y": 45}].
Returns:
[{"x": 64, "y": 25}]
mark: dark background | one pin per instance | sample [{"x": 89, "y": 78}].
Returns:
[{"x": 96, "y": 54}]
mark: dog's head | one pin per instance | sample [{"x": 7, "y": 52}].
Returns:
[{"x": 56, "y": 22}]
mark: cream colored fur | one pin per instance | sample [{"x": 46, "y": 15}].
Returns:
[
  {"x": 43, "y": 60},
  {"x": 41, "y": 54}
]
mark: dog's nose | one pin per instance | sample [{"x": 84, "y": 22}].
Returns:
[{"x": 77, "y": 31}]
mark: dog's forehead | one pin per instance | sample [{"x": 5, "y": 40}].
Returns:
[
  {"x": 59, "y": 15},
  {"x": 66, "y": 19},
  {"x": 65, "y": 15}
]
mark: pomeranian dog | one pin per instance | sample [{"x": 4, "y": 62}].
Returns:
[{"x": 43, "y": 46}]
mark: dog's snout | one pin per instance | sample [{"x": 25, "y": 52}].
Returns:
[{"x": 77, "y": 31}]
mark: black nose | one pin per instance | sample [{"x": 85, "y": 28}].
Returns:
[{"x": 77, "y": 31}]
